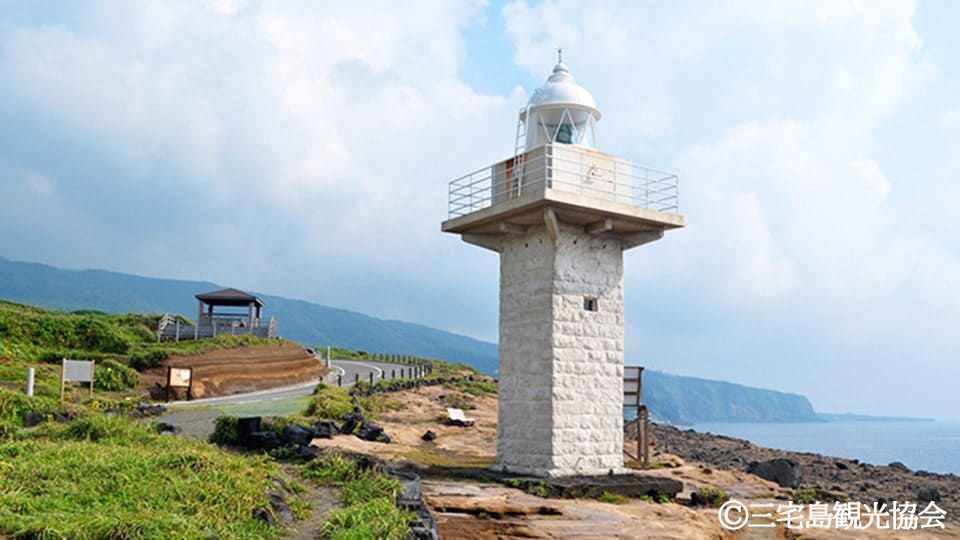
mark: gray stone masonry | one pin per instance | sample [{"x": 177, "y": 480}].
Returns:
[{"x": 561, "y": 365}]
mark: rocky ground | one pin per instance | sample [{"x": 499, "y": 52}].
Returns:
[
  {"x": 470, "y": 505},
  {"x": 832, "y": 478},
  {"x": 470, "y": 502}
]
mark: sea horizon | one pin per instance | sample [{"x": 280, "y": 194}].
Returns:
[{"x": 932, "y": 446}]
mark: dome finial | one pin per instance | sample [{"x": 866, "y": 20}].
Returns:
[{"x": 559, "y": 55}]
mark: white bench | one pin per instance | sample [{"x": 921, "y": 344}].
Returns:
[{"x": 455, "y": 417}]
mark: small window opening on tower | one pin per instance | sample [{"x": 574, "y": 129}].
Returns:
[{"x": 590, "y": 303}]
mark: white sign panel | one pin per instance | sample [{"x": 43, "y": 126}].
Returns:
[{"x": 78, "y": 370}]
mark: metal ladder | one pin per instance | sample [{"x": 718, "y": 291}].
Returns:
[{"x": 519, "y": 157}]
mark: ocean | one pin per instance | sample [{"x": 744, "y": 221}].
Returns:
[{"x": 929, "y": 446}]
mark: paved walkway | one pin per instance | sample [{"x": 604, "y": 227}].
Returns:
[{"x": 196, "y": 417}]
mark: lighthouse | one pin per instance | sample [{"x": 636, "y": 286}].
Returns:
[{"x": 561, "y": 213}]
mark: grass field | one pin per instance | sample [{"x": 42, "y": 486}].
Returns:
[
  {"x": 106, "y": 476},
  {"x": 110, "y": 477}
]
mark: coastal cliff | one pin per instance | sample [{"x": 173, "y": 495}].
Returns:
[{"x": 683, "y": 400}]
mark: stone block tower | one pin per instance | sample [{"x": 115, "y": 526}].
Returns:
[{"x": 560, "y": 214}]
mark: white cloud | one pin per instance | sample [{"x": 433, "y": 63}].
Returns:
[
  {"x": 950, "y": 117},
  {"x": 790, "y": 216},
  {"x": 227, "y": 136},
  {"x": 39, "y": 184},
  {"x": 273, "y": 129}
]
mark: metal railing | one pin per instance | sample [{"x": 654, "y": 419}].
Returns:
[
  {"x": 165, "y": 321},
  {"x": 564, "y": 168},
  {"x": 171, "y": 327}
]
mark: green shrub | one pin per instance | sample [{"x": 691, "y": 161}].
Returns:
[
  {"x": 442, "y": 368},
  {"x": 457, "y": 401},
  {"x": 360, "y": 387},
  {"x": 7, "y": 429},
  {"x": 57, "y": 330},
  {"x": 101, "y": 403},
  {"x": 716, "y": 497},
  {"x": 13, "y": 405},
  {"x": 147, "y": 359},
  {"x": 144, "y": 332},
  {"x": 225, "y": 430},
  {"x": 476, "y": 388},
  {"x": 805, "y": 496},
  {"x": 611, "y": 498},
  {"x": 48, "y": 356},
  {"x": 112, "y": 376},
  {"x": 277, "y": 423},
  {"x": 98, "y": 427},
  {"x": 329, "y": 402}
]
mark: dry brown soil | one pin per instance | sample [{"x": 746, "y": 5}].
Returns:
[{"x": 244, "y": 369}]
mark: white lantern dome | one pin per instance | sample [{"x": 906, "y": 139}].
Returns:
[
  {"x": 562, "y": 89},
  {"x": 560, "y": 111}
]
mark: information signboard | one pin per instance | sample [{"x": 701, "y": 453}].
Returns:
[
  {"x": 75, "y": 371},
  {"x": 180, "y": 377}
]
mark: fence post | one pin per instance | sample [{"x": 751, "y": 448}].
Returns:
[
  {"x": 63, "y": 376},
  {"x": 356, "y": 378},
  {"x": 645, "y": 440},
  {"x": 30, "y": 372},
  {"x": 340, "y": 379},
  {"x": 371, "y": 379}
]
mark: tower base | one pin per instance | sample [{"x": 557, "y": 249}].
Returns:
[{"x": 561, "y": 353}]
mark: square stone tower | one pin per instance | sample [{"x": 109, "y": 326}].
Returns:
[{"x": 560, "y": 214}]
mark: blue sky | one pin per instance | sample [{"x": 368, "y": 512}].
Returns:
[{"x": 303, "y": 149}]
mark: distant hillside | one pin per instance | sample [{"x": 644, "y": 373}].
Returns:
[
  {"x": 685, "y": 400},
  {"x": 676, "y": 399},
  {"x": 304, "y": 322}
]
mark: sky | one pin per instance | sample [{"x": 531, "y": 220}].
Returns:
[{"x": 303, "y": 149}]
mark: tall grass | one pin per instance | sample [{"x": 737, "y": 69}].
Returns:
[
  {"x": 329, "y": 402},
  {"x": 65, "y": 331},
  {"x": 108, "y": 477},
  {"x": 13, "y": 405},
  {"x": 368, "y": 496}
]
